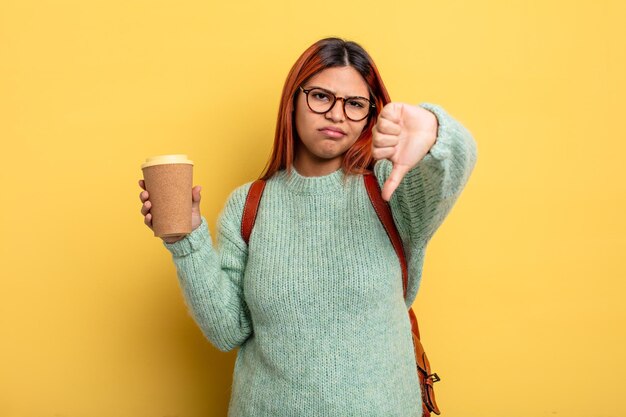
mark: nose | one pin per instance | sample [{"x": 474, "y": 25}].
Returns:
[{"x": 336, "y": 111}]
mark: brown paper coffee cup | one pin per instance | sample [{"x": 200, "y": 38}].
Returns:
[{"x": 168, "y": 180}]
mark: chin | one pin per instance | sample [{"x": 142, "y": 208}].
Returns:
[
  {"x": 328, "y": 155},
  {"x": 334, "y": 150}
]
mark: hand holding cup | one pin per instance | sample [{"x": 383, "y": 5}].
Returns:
[
  {"x": 169, "y": 209},
  {"x": 196, "y": 217}
]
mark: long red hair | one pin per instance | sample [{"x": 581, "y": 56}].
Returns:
[{"x": 326, "y": 53}]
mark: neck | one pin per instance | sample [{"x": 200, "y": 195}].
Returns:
[{"x": 310, "y": 168}]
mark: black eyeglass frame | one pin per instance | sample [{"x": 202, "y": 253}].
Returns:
[{"x": 335, "y": 98}]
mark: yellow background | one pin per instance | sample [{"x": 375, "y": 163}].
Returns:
[{"x": 521, "y": 306}]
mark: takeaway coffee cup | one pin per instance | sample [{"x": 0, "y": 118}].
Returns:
[{"x": 168, "y": 180}]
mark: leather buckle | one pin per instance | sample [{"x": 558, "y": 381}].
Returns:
[{"x": 434, "y": 377}]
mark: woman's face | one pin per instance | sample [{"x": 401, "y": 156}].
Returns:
[{"x": 325, "y": 138}]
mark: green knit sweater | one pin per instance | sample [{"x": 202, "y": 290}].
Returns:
[{"x": 315, "y": 301}]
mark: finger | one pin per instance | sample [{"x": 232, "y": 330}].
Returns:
[
  {"x": 384, "y": 141},
  {"x": 148, "y": 220},
  {"x": 391, "y": 112},
  {"x": 145, "y": 209},
  {"x": 195, "y": 193},
  {"x": 143, "y": 196},
  {"x": 383, "y": 153},
  {"x": 142, "y": 184},
  {"x": 397, "y": 173},
  {"x": 388, "y": 127}
]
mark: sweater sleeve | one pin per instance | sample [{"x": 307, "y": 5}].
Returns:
[
  {"x": 427, "y": 193},
  {"x": 212, "y": 278}
]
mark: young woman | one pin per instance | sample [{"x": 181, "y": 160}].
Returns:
[{"x": 315, "y": 301}]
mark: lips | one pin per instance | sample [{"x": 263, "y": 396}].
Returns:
[{"x": 333, "y": 132}]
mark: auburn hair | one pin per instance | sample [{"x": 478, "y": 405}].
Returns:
[{"x": 326, "y": 53}]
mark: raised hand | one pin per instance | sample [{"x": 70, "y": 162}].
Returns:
[
  {"x": 403, "y": 134},
  {"x": 196, "y": 217}
]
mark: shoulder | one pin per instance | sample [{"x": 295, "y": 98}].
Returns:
[
  {"x": 240, "y": 193},
  {"x": 237, "y": 198},
  {"x": 230, "y": 218},
  {"x": 236, "y": 201}
]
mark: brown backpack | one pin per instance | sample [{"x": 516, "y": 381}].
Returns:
[{"x": 383, "y": 211}]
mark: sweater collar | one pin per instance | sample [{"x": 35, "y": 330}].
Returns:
[{"x": 300, "y": 184}]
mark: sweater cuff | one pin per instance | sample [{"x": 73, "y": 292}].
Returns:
[
  {"x": 192, "y": 242},
  {"x": 441, "y": 148}
]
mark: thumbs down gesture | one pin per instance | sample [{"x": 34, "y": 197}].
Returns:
[{"x": 403, "y": 134}]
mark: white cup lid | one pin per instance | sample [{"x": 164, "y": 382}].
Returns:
[{"x": 166, "y": 159}]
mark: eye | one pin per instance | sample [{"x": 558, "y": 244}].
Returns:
[
  {"x": 357, "y": 103},
  {"x": 320, "y": 95}
]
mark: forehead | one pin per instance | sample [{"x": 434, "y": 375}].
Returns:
[{"x": 343, "y": 81}]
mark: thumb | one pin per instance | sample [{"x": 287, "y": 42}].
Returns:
[{"x": 397, "y": 173}]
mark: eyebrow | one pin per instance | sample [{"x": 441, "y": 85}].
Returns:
[{"x": 332, "y": 92}]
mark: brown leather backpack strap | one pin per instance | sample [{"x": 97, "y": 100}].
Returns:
[
  {"x": 384, "y": 214},
  {"x": 250, "y": 208},
  {"x": 423, "y": 366},
  {"x": 386, "y": 218}
]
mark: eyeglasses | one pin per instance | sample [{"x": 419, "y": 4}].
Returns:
[{"x": 321, "y": 101}]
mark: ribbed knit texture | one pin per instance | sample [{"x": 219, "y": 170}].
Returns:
[{"x": 315, "y": 302}]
